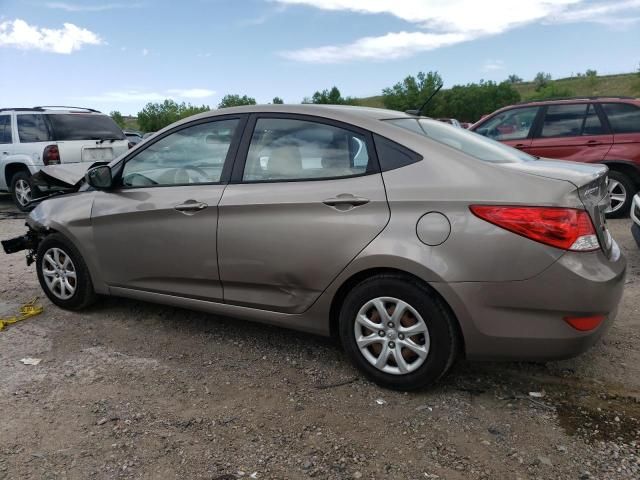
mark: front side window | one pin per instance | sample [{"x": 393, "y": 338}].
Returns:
[
  {"x": 193, "y": 155},
  {"x": 5, "y": 129},
  {"x": 592, "y": 124},
  {"x": 33, "y": 128},
  {"x": 623, "y": 117},
  {"x": 84, "y": 126},
  {"x": 513, "y": 124},
  {"x": 564, "y": 120},
  {"x": 287, "y": 149},
  {"x": 463, "y": 140}
]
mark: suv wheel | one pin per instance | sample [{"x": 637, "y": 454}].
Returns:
[
  {"x": 397, "y": 332},
  {"x": 621, "y": 194},
  {"x": 62, "y": 273},
  {"x": 21, "y": 190}
]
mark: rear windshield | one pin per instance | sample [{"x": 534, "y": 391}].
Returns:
[
  {"x": 81, "y": 126},
  {"x": 468, "y": 142}
]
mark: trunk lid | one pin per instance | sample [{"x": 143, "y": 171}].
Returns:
[{"x": 591, "y": 184}]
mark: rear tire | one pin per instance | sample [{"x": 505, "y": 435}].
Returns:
[
  {"x": 63, "y": 274},
  {"x": 622, "y": 189},
  {"x": 390, "y": 349},
  {"x": 22, "y": 190}
]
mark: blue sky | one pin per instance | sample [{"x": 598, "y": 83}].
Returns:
[{"x": 120, "y": 54}]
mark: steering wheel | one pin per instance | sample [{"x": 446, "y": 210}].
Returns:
[{"x": 201, "y": 173}]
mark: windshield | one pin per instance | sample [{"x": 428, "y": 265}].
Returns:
[
  {"x": 468, "y": 142},
  {"x": 84, "y": 126}
]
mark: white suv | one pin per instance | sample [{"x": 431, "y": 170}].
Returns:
[{"x": 31, "y": 138}]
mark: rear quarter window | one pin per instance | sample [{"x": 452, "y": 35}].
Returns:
[
  {"x": 5, "y": 129},
  {"x": 33, "y": 128},
  {"x": 85, "y": 126},
  {"x": 623, "y": 117}
]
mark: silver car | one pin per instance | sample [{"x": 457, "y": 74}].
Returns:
[{"x": 413, "y": 241}]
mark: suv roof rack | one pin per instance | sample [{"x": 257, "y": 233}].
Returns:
[
  {"x": 599, "y": 97},
  {"x": 20, "y": 109},
  {"x": 44, "y": 107}
]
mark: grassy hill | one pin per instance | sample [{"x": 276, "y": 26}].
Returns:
[{"x": 624, "y": 84}]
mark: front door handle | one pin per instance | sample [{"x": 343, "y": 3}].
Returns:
[
  {"x": 191, "y": 206},
  {"x": 593, "y": 143},
  {"x": 345, "y": 199},
  {"x": 520, "y": 145}
]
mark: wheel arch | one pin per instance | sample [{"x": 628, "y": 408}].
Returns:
[
  {"x": 625, "y": 167},
  {"x": 348, "y": 284},
  {"x": 13, "y": 167}
]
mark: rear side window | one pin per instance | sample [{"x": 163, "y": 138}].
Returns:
[
  {"x": 33, "y": 128},
  {"x": 289, "y": 149},
  {"x": 392, "y": 155},
  {"x": 623, "y": 117},
  {"x": 82, "y": 126},
  {"x": 592, "y": 124},
  {"x": 564, "y": 120},
  {"x": 5, "y": 129}
]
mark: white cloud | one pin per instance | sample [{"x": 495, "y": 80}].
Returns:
[
  {"x": 19, "y": 34},
  {"x": 442, "y": 23},
  {"x": 130, "y": 96},
  {"x": 391, "y": 45},
  {"x": 191, "y": 92},
  {"x": 493, "y": 65},
  {"x": 76, "y": 7},
  {"x": 145, "y": 52}
]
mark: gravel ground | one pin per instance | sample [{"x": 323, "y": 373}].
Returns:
[{"x": 134, "y": 390}]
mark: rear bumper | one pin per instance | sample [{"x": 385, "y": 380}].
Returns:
[{"x": 524, "y": 320}]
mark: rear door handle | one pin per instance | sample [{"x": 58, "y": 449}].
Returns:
[
  {"x": 520, "y": 145},
  {"x": 345, "y": 199},
  {"x": 191, "y": 206},
  {"x": 592, "y": 143}
]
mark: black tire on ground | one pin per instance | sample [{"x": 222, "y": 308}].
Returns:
[
  {"x": 84, "y": 294},
  {"x": 443, "y": 332},
  {"x": 630, "y": 190},
  {"x": 21, "y": 177}
]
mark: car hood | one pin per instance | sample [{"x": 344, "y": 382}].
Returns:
[
  {"x": 70, "y": 174},
  {"x": 577, "y": 173}
]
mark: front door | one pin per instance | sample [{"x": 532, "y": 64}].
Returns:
[
  {"x": 572, "y": 132},
  {"x": 308, "y": 199},
  {"x": 512, "y": 127},
  {"x": 6, "y": 147},
  {"x": 157, "y": 231}
]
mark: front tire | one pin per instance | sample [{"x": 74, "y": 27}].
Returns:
[
  {"x": 63, "y": 274},
  {"x": 22, "y": 190},
  {"x": 397, "y": 332},
  {"x": 621, "y": 191}
]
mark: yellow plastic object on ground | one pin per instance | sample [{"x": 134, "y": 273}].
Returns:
[{"x": 27, "y": 310}]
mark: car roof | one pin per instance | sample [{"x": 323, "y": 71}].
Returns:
[
  {"x": 51, "y": 109},
  {"x": 364, "y": 117},
  {"x": 552, "y": 101}
]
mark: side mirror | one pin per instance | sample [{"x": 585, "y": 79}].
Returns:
[{"x": 99, "y": 177}]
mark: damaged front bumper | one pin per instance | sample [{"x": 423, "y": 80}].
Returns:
[{"x": 28, "y": 242}]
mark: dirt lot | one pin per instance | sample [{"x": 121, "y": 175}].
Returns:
[{"x": 135, "y": 390}]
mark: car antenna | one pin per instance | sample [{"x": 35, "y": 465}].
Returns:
[{"x": 418, "y": 113}]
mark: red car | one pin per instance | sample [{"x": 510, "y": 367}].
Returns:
[{"x": 592, "y": 130}]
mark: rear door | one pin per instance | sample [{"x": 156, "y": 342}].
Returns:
[
  {"x": 87, "y": 137},
  {"x": 624, "y": 119},
  {"x": 572, "y": 132},
  {"x": 156, "y": 232},
  {"x": 306, "y": 197},
  {"x": 6, "y": 146},
  {"x": 512, "y": 126}
]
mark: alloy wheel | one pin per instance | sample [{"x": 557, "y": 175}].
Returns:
[
  {"x": 391, "y": 335},
  {"x": 23, "y": 192},
  {"x": 59, "y": 273},
  {"x": 617, "y": 195}
]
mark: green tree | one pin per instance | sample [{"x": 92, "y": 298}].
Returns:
[
  {"x": 469, "y": 102},
  {"x": 552, "y": 90},
  {"x": 514, "y": 79},
  {"x": 233, "y": 100},
  {"x": 118, "y": 118},
  {"x": 155, "y": 116},
  {"x": 277, "y": 101},
  {"x": 412, "y": 92},
  {"x": 592, "y": 77},
  {"x": 330, "y": 97},
  {"x": 541, "y": 80}
]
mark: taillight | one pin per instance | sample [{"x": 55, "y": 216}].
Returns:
[
  {"x": 565, "y": 228},
  {"x": 584, "y": 324},
  {"x": 51, "y": 155}
]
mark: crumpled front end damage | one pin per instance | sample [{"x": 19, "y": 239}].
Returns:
[{"x": 51, "y": 181}]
